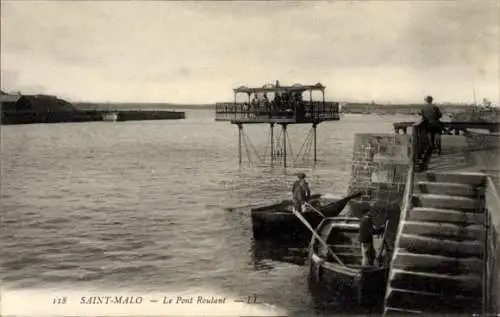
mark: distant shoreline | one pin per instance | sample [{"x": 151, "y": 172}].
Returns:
[{"x": 353, "y": 108}]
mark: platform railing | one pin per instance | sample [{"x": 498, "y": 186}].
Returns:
[{"x": 306, "y": 110}]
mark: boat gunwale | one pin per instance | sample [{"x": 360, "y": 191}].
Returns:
[
  {"x": 350, "y": 270},
  {"x": 275, "y": 207}
]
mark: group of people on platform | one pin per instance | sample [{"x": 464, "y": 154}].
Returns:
[{"x": 282, "y": 102}]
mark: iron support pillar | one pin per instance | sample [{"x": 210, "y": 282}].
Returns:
[
  {"x": 314, "y": 136},
  {"x": 240, "y": 135},
  {"x": 284, "y": 144},
  {"x": 272, "y": 142}
]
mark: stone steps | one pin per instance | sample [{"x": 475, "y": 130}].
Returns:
[
  {"x": 453, "y": 189},
  {"x": 395, "y": 311},
  {"x": 442, "y": 229},
  {"x": 432, "y": 263},
  {"x": 446, "y": 247},
  {"x": 433, "y": 303},
  {"x": 444, "y": 284},
  {"x": 474, "y": 179},
  {"x": 438, "y": 262},
  {"x": 446, "y": 215},
  {"x": 446, "y": 202}
]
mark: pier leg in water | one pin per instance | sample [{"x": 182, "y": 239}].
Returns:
[
  {"x": 314, "y": 133},
  {"x": 240, "y": 132},
  {"x": 284, "y": 144},
  {"x": 272, "y": 142}
]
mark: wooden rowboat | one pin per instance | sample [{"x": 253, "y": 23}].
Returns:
[
  {"x": 347, "y": 279},
  {"x": 277, "y": 221}
]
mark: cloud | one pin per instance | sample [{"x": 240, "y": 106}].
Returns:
[{"x": 199, "y": 51}]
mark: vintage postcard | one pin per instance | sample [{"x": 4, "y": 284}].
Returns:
[{"x": 249, "y": 158}]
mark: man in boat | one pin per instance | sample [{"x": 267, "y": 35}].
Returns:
[
  {"x": 300, "y": 192},
  {"x": 431, "y": 115},
  {"x": 366, "y": 232}
]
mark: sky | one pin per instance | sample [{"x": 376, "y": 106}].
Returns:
[{"x": 197, "y": 52}]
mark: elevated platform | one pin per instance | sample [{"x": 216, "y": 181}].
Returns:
[
  {"x": 284, "y": 106},
  {"x": 304, "y": 112}
]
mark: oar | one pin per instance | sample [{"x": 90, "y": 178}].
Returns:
[
  {"x": 339, "y": 205},
  {"x": 346, "y": 199},
  {"x": 304, "y": 221},
  {"x": 379, "y": 257},
  {"x": 314, "y": 209},
  {"x": 243, "y": 206}
]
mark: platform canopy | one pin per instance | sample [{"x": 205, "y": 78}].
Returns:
[{"x": 278, "y": 88}]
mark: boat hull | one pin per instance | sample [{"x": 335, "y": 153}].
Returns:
[
  {"x": 277, "y": 221},
  {"x": 343, "y": 276},
  {"x": 365, "y": 287},
  {"x": 283, "y": 225}
]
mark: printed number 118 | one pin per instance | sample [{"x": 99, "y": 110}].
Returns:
[{"x": 59, "y": 300}]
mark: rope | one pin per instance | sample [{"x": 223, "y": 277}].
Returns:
[
  {"x": 303, "y": 144},
  {"x": 289, "y": 145},
  {"x": 254, "y": 150},
  {"x": 277, "y": 145},
  {"x": 268, "y": 144},
  {"x": 247, "y": 151},
  {"x": 307, "y": 152}
]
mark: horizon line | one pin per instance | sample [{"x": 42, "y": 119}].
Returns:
[{"x": 340, "y": 100}]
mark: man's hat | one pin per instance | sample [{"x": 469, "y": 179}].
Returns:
[
  {"x": 301, "y": 175},
  {"x": 429, "y": 99}
]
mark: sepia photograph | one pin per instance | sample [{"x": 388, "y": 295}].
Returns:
[{"x": 249, "y": 158}]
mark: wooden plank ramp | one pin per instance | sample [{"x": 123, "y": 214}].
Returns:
[{"x": 438, "y": 264}]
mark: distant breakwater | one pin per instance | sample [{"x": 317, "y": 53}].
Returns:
[
  {"x": 26, "y": 109},
  {"x": 27, "y": 117}
]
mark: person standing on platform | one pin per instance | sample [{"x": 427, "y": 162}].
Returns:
[
  {"x": 300, "y": 193},
  {"x": 431, "y": 115}
]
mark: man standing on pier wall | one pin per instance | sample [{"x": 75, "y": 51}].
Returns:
[{"x": 431, "y": 114}]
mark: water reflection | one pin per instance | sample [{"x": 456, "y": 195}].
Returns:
[
  {"x": 264, "y": 252},
  {"x": 268, "y": 254},
  {"x": 328, "y": 302}
]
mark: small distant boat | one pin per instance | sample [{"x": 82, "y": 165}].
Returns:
[
  {"x": 110, "y": 116},
  {"x": 341, "y": 273},
  {"x": 278, "y": 222}
]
